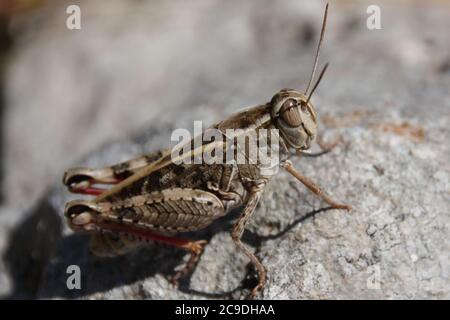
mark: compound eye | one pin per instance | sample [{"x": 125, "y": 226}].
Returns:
[{"x": 290, "y": 114}]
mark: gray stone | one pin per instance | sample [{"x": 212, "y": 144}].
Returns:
[{"x": 122, "y": 84}]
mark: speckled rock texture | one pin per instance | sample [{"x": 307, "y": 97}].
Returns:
[{"x": 137, "y": 70}]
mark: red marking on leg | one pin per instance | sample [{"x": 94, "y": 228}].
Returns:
[
  {"x": 90, "y": 191},
  {"x": 194, "y": 247},
  {"x": 148, "y": 235},
  {"x": 85, "y": 186}
]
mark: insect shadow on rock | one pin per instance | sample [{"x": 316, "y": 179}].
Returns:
[{"x": 156, "y": 198}]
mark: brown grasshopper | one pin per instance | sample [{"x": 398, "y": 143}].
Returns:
[{"x": 154, "y": 198}]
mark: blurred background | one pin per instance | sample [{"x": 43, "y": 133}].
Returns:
[{"x": 137, "y": 64}]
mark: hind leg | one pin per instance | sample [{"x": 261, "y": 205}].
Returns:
[
  {"x": 121, "y": 239},
  {"x": 106, "y": 244},
  {"x": 81, "y": 180},
  {"x": 237, "y": 232},
  {"x": 144, "y": 218}
]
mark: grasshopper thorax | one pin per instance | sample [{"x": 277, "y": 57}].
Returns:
[{"x": 295, "y": 117}]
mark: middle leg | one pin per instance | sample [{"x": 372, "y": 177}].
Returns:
[{"x": 238, "y": 231}]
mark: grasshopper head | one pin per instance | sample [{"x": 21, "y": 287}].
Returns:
[
  {"x": 295, "y": 117},
  {"x": 293, "y": 112}
]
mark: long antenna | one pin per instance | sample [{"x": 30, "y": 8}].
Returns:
[
  {"x": 322, "y": 32},
  {"x": 317, "y": 82}
]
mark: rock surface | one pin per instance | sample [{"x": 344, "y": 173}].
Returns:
[{"x": 136, "y": 71}]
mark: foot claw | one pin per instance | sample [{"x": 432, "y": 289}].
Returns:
[
  {"x": 255, "y": 291},
  {"x": 174, "y": 280},
  {"x": 343, "y": 206},
  {"x": 196, "y": 247}
]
